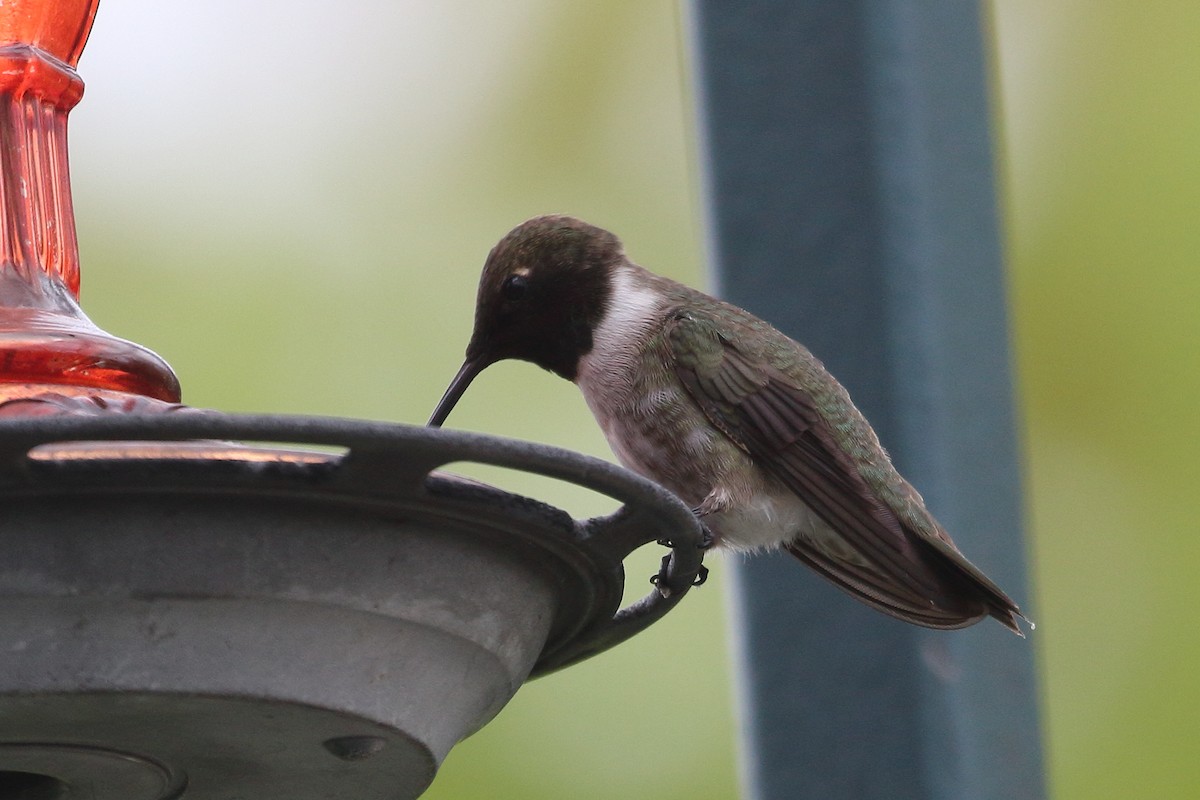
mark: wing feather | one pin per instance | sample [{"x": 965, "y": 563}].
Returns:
[{"x": 886, "y": 564}]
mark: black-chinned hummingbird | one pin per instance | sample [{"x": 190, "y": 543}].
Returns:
[{"x": 739, "y": 421}]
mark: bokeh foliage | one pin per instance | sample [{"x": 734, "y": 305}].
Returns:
[{"x": 1100, "y": 118}]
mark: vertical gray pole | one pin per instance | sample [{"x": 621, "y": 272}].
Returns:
[{"x": 851, "y": 201}]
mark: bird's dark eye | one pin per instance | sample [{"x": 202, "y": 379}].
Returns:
[{"x": 514, "y": 287}]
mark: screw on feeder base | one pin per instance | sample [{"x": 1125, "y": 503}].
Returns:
[{"x": 353, "y": 748}]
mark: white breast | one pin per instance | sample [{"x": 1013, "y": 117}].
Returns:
[
  {"x": 633, "y": 310},
  {"x": 606, "y": 374}
]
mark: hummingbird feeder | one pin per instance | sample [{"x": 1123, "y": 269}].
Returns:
[{"x": 184, "y": 616}]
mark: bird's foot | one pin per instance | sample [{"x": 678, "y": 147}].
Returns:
[
  {"x": 707, "y": 539},
  {"x": 660, "y": 579}
]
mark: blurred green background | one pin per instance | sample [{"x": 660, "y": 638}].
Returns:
[{"x": 293, "y": 209}]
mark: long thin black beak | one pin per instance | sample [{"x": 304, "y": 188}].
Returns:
[{"x": 470, "y": 368}]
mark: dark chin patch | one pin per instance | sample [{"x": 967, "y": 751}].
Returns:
[
  {"x": 565, "y": 364},
  {"x": 564, "y": 340}
]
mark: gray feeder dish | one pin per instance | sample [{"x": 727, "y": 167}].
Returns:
[{"x": 184, "y": 617}]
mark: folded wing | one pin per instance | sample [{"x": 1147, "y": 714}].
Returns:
[{"x": 916, "y": 576}]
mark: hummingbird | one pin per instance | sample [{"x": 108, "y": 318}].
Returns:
[{"x": 738, "y": 420}]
